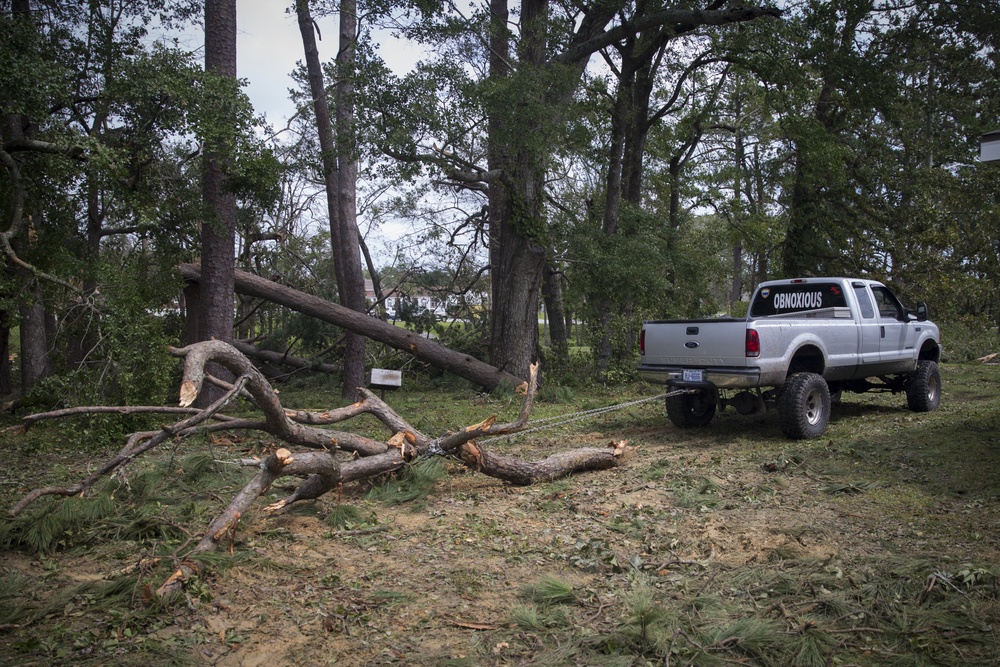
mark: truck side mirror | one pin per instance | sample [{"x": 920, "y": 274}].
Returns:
[{"x": 922, "y": 312}]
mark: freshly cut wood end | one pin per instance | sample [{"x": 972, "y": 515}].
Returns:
[
  {"x": 275, "y": 507},
  {"x": 189, "y": 392},
  {"x": 620, "y": 447},
  {"x": 471, "y": 455},
  {"x": 397, "y": 440},
  {"x": 230, "y": 527},
  {"x": 483, "y": 425},
  {"x": 522, "y": 389},
  {"x": 284, "y": 456}
]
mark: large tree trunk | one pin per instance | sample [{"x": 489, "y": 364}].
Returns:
[
  {"x": 422, "y": 348},
  {"x": 349, "y": 254},
  {"x": 517, "y": 277},
  {"x": 84, "y": 327},
  {"x": 34, "y": 346},
  {"x": 517, "y": 215},
  {"x": 6, "y": 386},
  {"x": 498, "y": 193},
  {"x": 218, "y": 232},
  {"x": 741, "y": 181},
  {"x": 339, "y": 175},
  {"x": 552, "y": 295}
]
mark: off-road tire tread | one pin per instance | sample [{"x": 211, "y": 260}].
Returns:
[
  {"x": 791, "y": 406},
  {"x": 923, "y": 388}
]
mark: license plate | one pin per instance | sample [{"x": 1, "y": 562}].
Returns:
[{"x": 693, "y": 376}]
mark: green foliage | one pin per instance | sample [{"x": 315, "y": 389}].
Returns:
[
  {"x": 12, "y": 586},
  {"x": 967, "y": 340},
  {"x": 58, "y": 524},
  {"x": 414, "y": 483},
  {"x": 645, "y": 616},
  {"x": 548, "y": 591},
  {"x": 123, "y": 351},
  {"x": 562, "y": 376},
  {"x": 421, "y": 320},
  {"x": 526, "y": 617},
  {"x": 196, "y": 465},
  {"x": 629, "y": 263},
  {"x": 345, "y": 516}
]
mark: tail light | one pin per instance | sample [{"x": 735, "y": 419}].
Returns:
[
  {"x": 642, "y": 341},
  {"x": 753, "y": 343}
]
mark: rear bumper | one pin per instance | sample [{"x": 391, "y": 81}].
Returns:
[{"x": 718, "y": 377}]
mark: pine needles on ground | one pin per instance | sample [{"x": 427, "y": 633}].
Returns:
[
  {"x": 344, "y": 516},
  {"x": 416, "y": 482},
  {"x": 548, "y": 591}
]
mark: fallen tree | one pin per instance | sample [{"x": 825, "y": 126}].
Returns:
[
  {"x": 425, "y": 349},
  {"x": 327, "y": 459},
  {"x": 284, "y": 359}
]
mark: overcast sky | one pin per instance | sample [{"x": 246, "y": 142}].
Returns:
[{"x": 269, "y": 46}]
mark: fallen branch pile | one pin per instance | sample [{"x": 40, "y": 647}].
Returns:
[{"x": 325, "y": 458}]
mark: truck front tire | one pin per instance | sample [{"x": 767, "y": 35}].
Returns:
[
  {"x": 923, "y": 388},
  {"x": 689, "y": 410},
  {"x": 804, "y": 406}
]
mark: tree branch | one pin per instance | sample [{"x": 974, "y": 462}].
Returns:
[{"x": 680, "y": 18}]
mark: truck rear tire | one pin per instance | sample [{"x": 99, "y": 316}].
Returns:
[
  {"x": 923, "y": 388},
  {"x": 804, "y": 406},
  {"x": 689, "y": 410}
]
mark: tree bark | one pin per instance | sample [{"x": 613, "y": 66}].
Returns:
[
  {"x": 517, "y": 216},
  {"x": 5, "y": 376},
  {"x": 353, "y": 290},
  {"x": 425, "y": 349},
  {"x": 552, "y": 295},
  {"x": 740, "y": 181},
  {"x": 34, "y": 346},
  {"x": 218, "y": 233},
  {"x": 339, "y": 176}
]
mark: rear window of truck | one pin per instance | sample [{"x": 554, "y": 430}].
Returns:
[{"x": 781, "y": 299}]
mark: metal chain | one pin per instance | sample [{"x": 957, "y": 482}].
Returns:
[{"x": 576, "y": 416}]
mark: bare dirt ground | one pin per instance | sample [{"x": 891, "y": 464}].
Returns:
[{"x": 877, "y": 543}]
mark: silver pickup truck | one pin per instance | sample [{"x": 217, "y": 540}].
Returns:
[{"x": 803, "y": 342}]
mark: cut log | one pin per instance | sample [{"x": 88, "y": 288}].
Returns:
[
  {"x": 525, "y": 473},
  {"x": 425, "y": 349}
]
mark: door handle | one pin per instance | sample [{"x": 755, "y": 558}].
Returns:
[{"x": 883, "y": 331}]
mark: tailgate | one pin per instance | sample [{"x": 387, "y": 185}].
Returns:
[{"x": 695, "y": 343}]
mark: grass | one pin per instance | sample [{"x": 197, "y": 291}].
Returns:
[{"x": 876, "y": 544}]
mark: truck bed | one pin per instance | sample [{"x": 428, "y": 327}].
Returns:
[{"x": 697, "y": 343}]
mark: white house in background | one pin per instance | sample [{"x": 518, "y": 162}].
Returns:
[{"x": 438, "y": 304}]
